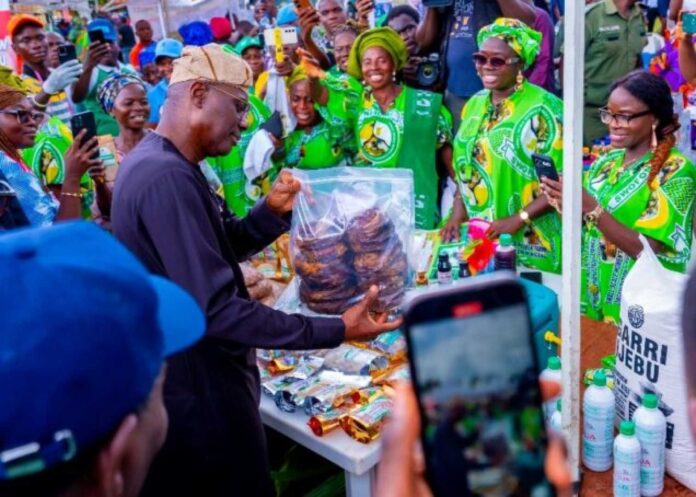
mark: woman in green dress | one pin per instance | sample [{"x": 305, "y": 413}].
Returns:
[
  {"x": 644, "y": 186},
  {"x": 319, "y": 139},
  {"x": 393, "y": 125},
  {"x": 502, "y": 127}
]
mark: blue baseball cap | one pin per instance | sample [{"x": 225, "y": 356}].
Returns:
[
  {"x": 287, "y": 15},
  {"x": 85, "y": 330},
  {"x": 106, "y": 27},
  {"x": 168, "y": 47},
  {"x": 196, "y": 33}
]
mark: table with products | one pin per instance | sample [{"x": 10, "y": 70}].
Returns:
[{"x": 358, "y": 460}]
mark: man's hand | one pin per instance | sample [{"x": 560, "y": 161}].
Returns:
[
  {"x": 364, "y": 7},
  {"x": 285, "y": 68},
  {"x": 308, "y": 20},
  {"x": 282, "y": 196},
  {"x": 62, "y": 77},
  {"x": 361, "y": 325},
  {"x": 95, "y": 53},
  {"x": 310, "y": 64}
]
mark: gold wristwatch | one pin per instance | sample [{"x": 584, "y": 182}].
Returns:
[
  {"x": 592, "y": 217},
  {"x": 524, "y": 216}
]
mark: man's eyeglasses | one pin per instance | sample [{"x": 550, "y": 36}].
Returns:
[
  {"x": 241, "y": 105},
  {"x": 25, "y": 116},
  {"x": 493, "y": 61},
  {"x": 607, "y": 117}
]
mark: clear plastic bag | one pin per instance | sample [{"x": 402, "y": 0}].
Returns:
[{"x": 352, "y": 228}]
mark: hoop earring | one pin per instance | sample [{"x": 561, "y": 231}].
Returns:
[{"x": 653, "y": 142}]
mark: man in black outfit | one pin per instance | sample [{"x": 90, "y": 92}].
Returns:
[{"x": 165, "y": 212}]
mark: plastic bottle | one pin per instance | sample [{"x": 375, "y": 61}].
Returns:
[
  {"x": 651, "y": 429},
  {"x": 444, "y": 269},
  {"x": 552, "y": 373},
  {"x": 598, "y": 424},
  {"x": 627, "y": 461},
  {"x": 505, "y": 255},
  {"x": 556, "y": 421}
]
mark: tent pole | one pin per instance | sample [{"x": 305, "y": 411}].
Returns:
[
  {"x": 573, "y": 95},
  {"x": 163, "y": 13}
]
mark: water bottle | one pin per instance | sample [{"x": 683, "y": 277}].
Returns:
[
  {"x": 505, "y": 256},
  {"x": 651, "y": 429},
  {"x": 627, "y": 461},
  {"x": 552, "y": 373},
  {"x": 556, "y": 421},
  {"x": 444, "y": 269},
  {"x": 598, "y": 424}
]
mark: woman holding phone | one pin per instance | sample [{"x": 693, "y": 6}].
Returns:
[
  {"x": 502, "y": 127},
  {"x": 643, "y": 186},
  {"x": 19, "y": 124}
]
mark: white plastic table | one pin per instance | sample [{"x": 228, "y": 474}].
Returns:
[{"x": 358, "y": 461}]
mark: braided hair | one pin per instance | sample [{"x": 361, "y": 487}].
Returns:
[
  {"x": 654, "y": 92},
  {"x": 9, "y": 96}
]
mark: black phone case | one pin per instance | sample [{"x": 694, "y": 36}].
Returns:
[
  {"x": 66, "y": 53},
  {"x": 274, "y": 125},
  {"x": 85, "y": 120},
  {"x": 543, "y": 164}
]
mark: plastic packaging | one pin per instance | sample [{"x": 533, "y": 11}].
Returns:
[
  {"x": 552, "y": 373},
  {"x": 325, "y": 398},
  {"x": 321, "y": 424},
  {"x": 651, "y": 430},
  {"x": 391, "y": 343},
  {"x": 598, "y": 425},
  {"x": 355, "y": 360},
  {"x": 351, "y": 229},
  {"x": 364, "y": 424},
  {"x": 626, "y": 462},
  {"x": 505, "y": 255}
]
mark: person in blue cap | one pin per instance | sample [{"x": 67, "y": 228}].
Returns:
[
  {"x": 82, "y": 372},
  {"x": 166, "y": 51},
  {"x": 101, "y": 62}
]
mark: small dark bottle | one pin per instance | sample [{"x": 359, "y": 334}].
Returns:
[
  {"x": 464, "y": 270},
  {"x": 444, "y": 269}
]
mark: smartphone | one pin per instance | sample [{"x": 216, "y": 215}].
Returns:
[
  {"x": 85, "y": 120},
  {"x": 96, "y": 35},
  {"x": 287, "y": 36},
  {"x": 474, "y": 370},
  {"x": 544, "y": 167},
  {"x": 689, "y": 22},
  {"x": 66, "y": 53},
  {"x": 274, "y": 125}
]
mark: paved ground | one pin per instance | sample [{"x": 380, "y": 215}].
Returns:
[{"x": 598, "y": 340}]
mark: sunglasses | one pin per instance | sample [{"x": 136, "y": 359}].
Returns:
[
  {"x": 26, "y": 116},
  {"x": 241, "y": 105},
  {"x": 494, "y": 61},
  {"x": 607, "y": 117}
]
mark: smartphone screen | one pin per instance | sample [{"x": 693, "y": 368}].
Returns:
[
  {"x": 474, "y": 370},
  {"x": 96, "y": 35}
]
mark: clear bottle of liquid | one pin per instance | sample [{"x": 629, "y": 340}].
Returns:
[
  {"x": 598, "y": 424},
  {"x": 626, "y": 461},
  {"x": 552, "y": 373},
  {"x": 556, "y": 421},
  {"x": 444, "y": 269},
  {"x": 505, "y": 255},
  {"x": 651, "y": 429}
]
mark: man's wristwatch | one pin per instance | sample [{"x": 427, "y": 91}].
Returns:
[{"x": 524, "y": 216}]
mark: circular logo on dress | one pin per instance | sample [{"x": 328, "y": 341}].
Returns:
[
  {"x": 636, "y": 316},
  {"x": 378, "y": 139}
]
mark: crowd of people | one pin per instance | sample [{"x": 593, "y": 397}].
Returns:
[{"x": 191, "y": 170}]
